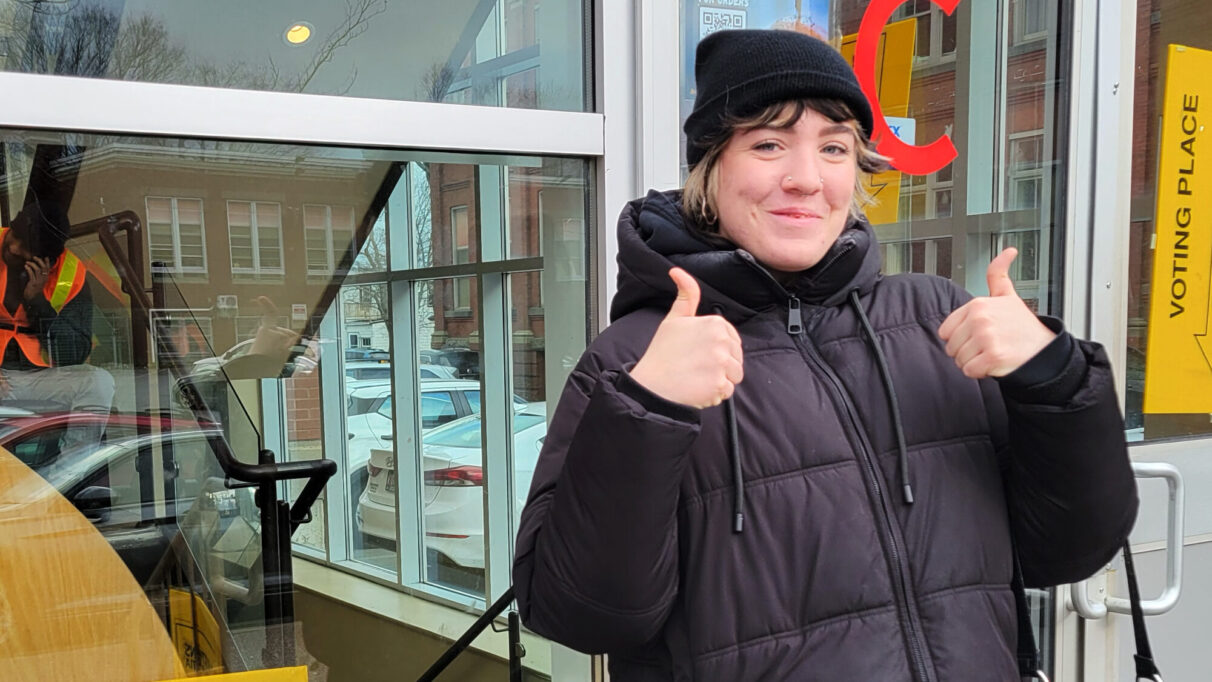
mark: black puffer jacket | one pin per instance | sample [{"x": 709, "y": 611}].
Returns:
[{"x": 627, "y": 544}]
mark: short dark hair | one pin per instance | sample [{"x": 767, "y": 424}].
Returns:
[{"x": 42, "y": 227}]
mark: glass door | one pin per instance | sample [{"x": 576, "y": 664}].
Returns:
[{"x": 989, "y": 82}]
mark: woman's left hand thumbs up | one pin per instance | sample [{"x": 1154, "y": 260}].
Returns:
[{"x": 991, "y": 336}]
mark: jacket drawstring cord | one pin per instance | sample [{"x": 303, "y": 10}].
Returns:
[
  {"x": 894, "y": 404},
  {"x": 734, "y": 456},
  {"x": 738, "y": 479}
]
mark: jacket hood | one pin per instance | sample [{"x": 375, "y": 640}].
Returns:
[{"x": 653, "y": 237}]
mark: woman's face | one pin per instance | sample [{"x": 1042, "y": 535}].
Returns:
[{"x": 784, "y": 195}]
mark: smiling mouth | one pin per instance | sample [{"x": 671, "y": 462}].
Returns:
[{"x": 795, "y": 215}]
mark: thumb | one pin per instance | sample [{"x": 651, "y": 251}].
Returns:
[
  {"x": 687, "y": 302},
  {"x": 998, "y": 274}
]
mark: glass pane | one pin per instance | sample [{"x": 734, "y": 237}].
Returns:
[
  {"x": 950, "y": 21},
  {"x": 460, "y": 51},
  {"x": 370, "y": 446},
  {"x": 269, "y": 244},
  {"x": 372, "y": 257},
  {"x": 445, "y": 229},
  {"x": 546, "y": 335},
  {"x": 923, "y": 36},
  {"x": 1167, "y": 225},
  {"x": 452, "y": 487},
  {"x": 1000, "y": 188},
  {"x": 130, "y": 423}
]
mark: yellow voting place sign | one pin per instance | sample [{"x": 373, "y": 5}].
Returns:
[{"x": 1178, "y": 374}]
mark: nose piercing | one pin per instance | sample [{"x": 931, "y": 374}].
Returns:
[{"x": 820, "y": 179}]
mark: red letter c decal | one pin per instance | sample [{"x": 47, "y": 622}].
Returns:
[{"x": 907, "y": 158}]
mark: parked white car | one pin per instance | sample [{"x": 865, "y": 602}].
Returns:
[
  {"x": 365, "y": 370},
  {"x": 369, "y": 416},
  {"x": 453, "y": 492}
]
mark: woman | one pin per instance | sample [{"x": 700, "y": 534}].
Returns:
[{"x": 776, "y": 464}]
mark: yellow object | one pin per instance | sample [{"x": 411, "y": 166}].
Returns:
[
  {"x": 1178, "y": 364},
  {"x": 69, "y": 609},
  {"x": 296, "y": 674},
  {"x": 298, "y": 34},
  {"x": 893, "y": 71},
  {"x": 195, "y": 632}
]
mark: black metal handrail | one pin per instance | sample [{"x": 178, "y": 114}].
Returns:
[{"x": 516, "y": 650}]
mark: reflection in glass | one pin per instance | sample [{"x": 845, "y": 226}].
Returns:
[
  {"x": 370, "y": 443},
  {"x": 1179, "y": 24},
  {"x": 510, "y": 55},
  {"x": 452, "y": 480},
  {"x": 244, "y": 248},
  {"x": 445, "y": 220}
]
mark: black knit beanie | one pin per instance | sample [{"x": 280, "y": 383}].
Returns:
[{"x": 739, "y": 73}]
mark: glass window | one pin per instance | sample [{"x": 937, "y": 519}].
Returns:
[
  {"x": 503, "y": 53},
  {"x": 328, "y": 236},
  {"x": 254, "y": 233},
  {"x": 1030, "y": 20},
  {"x": 437, "y": 408},
  {"x": 175, "y": 234},
  {"x": 278, "y": 365},
  {"x": 1166, "y": 224},
  {"x": 460, "y": 245}
]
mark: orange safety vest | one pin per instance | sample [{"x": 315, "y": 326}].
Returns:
[{"x": 63, "y": 282}]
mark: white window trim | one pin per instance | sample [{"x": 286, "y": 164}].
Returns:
[
  {"x": 53, "y": 102},
  {"x": 176, "y": 232},
  {"x": 253, "y": 228}
]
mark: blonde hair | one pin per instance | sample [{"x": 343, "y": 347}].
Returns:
[{"x": 702, "y": 185}]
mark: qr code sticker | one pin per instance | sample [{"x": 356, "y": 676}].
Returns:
[{"x": 712, "y": 19}]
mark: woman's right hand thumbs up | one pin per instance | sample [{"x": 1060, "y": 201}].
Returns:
[{"x": 693, "y": 360}]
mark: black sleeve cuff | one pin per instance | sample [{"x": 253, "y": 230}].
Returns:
[
  {"x": 651, "y": 402},
  {"x": 1053, "y": 376}
]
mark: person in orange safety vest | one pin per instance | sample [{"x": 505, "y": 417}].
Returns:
[{"x": 46, "y": 322}]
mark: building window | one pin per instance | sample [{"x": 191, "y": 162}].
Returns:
[
  {"x": 328, "y": 235},
  {"x": 931, "y": 256},
  {"x": 460, "y": 254},
  {"x": 254, "y": 232},
  {"x": 184, "y": 334},
  {"x": 1025, "y": 173},
  {"x": 1025, "y": 268},
  {"x": 247, "y": 326},
  {"x": 936, "y": 31},
  {"x": 924, "y": 197},
  {"x": 176, "y": 237},
  {"x": 1030, "y": 20}
]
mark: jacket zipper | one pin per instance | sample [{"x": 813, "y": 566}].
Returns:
[{"x": 900, "y": 583}]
